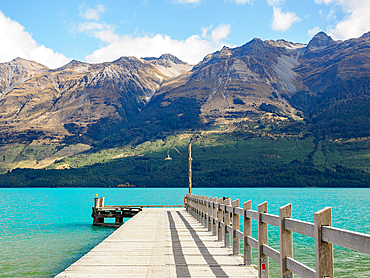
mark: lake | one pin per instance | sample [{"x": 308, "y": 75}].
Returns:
[{"x": 45, "y": 230}]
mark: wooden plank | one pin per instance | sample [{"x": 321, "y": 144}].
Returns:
[
  {"x": 160, "y": 242},
  {"x": 229, "y": 208},
  {"x": 252, "y": 242},
  {"x": 347, "y": 239},
  {"x": 300, "y": 227},
  {"x": 300, "y": 269},
  {"x": 271, "y": 253},
  {"x": 252, "y": 214},
  {"x": 239, "y": 234},
  {"x": 238, "y": 211},
  {"x": 270, "y": 219}
]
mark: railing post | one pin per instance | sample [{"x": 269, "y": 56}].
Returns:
[
  {"x": 286, "y": 241},
  {"x": 187, "y": 206},
  {"x": 210, "y": 210},
  {"x": 96, "y": 202},
  {"x": 190, "y": 204},
  {"x": 214, "y": 216},
  {"x": 227, "y": 221},
  {"x": 220, "y": 219},
  {"x": 193, "y": 206},
  {"x": 247, "y": 231},
  {"x": 198, "y": 208},
  {"x": 323, "y": 250},
  {"x": 236, "y": 226},
  {"x": 206, "y": 215},
  {"x": 204, "y": 208},
  {"x": 263, "y": 270}
]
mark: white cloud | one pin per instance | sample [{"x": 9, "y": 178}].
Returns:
[
  {"x": 243, "y": 1},
  {"x": 220, "y": 32},
  {"x": 355, "y": 23},
  {"x": 312, "y": 32},
  {"x": 191, "y": 50},
  {"x": 92, "y": 14},
  {"x": 16, "y": 42},
  {"x": 205, "y": 31},
  {"x": 274, "y": 2},
  {"x": 282, "y": 21},
  {"x": 187, "y": 1},
  {"x": 102, "y": 31},
  {"x": 324, "y": 1}
]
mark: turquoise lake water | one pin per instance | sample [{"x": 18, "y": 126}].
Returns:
[{"x": 43, "y": 231}]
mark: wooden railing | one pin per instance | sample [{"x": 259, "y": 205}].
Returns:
[{"x": 222, "y": 218}]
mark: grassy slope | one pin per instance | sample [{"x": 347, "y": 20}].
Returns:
[{"x": 35, "y": 156}]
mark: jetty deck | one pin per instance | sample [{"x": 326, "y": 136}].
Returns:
[{"x": 160, "y": 242}]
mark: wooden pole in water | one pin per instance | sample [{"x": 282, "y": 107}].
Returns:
[
  {"x": 96, "y": 202},
  {"x": 190, "y": 173}
]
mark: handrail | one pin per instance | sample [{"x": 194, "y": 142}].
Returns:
[{"x": 218, "y": 216}]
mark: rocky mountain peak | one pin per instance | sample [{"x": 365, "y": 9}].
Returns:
[
  {"x": 320, "y": 41},
  {"x": 285, "y": 44},
  {"x": 29, "y": 65},
  {"x": 366, "y": 35},
  {"x": 171, "y": 58},
  {"x": 75, "y": 65}
]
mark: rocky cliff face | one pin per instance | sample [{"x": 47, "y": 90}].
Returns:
[
  {"x": 71, "y": 99},
  {"x": 326, "y": 62}
]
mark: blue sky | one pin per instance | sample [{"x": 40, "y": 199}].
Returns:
[{"x": 54, "y": 32}]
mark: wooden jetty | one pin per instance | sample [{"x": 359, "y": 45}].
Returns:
[
  {"x": 205, "y": 240},
  {"x": 100, "y": 211},
  {"x": 160, "y": 242}
]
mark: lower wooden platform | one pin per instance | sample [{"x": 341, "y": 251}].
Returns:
[{"x": 160, "y": 242}]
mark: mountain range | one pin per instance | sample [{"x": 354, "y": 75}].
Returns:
[
  {"x": 37, "y": 102},
  {"x": 320, "y": 89}
]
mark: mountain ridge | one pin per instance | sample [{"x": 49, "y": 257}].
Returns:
[{"x": 250, "y": 82}]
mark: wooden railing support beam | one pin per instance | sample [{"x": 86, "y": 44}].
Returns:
[
  {"x": 263, "y": 270},
  {"x": 227, "y": 221},
  {"x": 247, "y": 231},
  {"x": 236, "y": 227},
  {"x": 323, "y": 250},
  {"x": 286, "y": 241},
  {"x": 220, "y": 218},
  {"x": 214, "y": 216}
]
